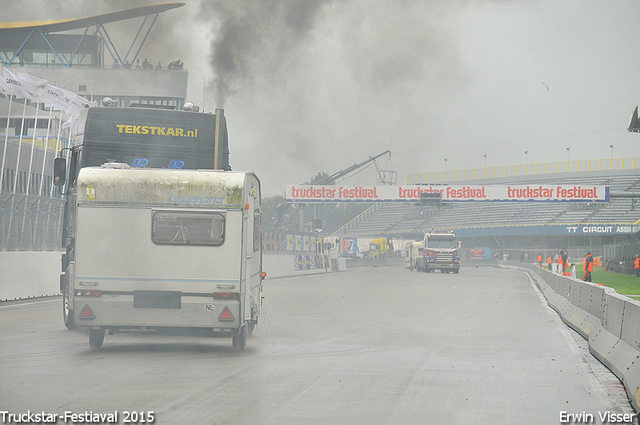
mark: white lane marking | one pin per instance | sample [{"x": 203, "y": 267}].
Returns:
[{"x": 31, "y": 303}]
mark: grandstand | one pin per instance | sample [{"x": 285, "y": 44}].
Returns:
[{"x": 493, "y": 219}]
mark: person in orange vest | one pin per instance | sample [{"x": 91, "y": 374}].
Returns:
[
  {"x": 540, "y": 259},
  {"x": 588, "y": 267},
  {"x": 565, "y": 264},
  {"x": 636, "y": 265},
  {"x": 561, "y": 263},
  {"x": 549, "y": 262}
]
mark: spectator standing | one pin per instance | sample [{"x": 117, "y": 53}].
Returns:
[
  {"x": 588, "y": 267},
  {"x": 560, "y": 258}
]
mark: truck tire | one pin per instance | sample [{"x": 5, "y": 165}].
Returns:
[
  {"x": 67, "y": 313},
  {"x": 96, "y": 338}
]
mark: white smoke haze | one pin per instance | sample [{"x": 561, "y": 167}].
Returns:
[{"x": 310, "y": 86}]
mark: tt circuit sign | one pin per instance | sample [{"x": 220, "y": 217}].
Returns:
[
  {"x": 550, "y": 230},
  {"x": 603, "y": 229},
  {"x": 412, "y": 193}
]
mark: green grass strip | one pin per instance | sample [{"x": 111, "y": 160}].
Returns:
[{"x": 624, "y": 284}]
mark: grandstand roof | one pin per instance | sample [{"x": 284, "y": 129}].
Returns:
[{"x": 79, "y": 23}]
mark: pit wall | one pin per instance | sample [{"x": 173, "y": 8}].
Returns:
[
  {"x": 31, "y": 274},
  {"x": 608, "y": 320},
  {"x": 286, "y": 265}
]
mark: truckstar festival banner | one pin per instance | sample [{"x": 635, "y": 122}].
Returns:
[{"x": 411, "y": 193}]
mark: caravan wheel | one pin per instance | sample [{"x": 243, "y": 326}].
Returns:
[
  {"x": 240, "y": 341},
  {"x": 96, "y": 338}
]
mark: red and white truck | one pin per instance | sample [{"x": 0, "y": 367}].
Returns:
[{"x": 440, "y": 252}]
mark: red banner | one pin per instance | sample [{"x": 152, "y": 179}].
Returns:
[{"x": 411, "y": 193}]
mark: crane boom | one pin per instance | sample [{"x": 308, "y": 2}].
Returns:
[{"x": 332, "y": 178}]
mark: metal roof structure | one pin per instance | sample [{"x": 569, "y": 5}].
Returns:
[{"x": 17, "y": 35}]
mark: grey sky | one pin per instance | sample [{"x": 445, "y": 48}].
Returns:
[
  {"x": 431, "y": 80},
  {"x": 312, "y": 86}
]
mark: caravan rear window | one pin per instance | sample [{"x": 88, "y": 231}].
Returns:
[{"x": 188, "y": 228}]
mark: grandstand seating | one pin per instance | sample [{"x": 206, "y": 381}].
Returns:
[{"x": 400, "y": 218}]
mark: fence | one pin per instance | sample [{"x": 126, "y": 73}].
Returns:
[
  {"x": 524, "y": 169},
  {"x": 31, "y": 207},
  {"x": 30, "y": 223},
  {"x": 619, "y": 257}
]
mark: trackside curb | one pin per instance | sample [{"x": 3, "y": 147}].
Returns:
[{"x": 610, "y": 322}]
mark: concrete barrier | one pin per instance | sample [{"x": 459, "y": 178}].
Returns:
[
  {"x": 28, "y": 274},
  {"x": 285, "y": 265},
  {"x": 608, "y": 320}
]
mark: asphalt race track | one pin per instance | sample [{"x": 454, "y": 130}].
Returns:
[{"x": 372, "y": 345}]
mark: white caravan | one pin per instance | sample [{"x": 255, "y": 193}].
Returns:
[{"x": 163, "y": 249}]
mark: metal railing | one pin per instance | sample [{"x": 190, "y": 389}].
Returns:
[
  {"x": 50, "y": 142},
  {"x": 524, "y": 169},
  {"x": 30, "y": 223},
  {"x": 357, "y": 219}
]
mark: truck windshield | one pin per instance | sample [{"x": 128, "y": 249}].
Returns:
[
  {"x": 188, "y": 228},
  {"x": 435, "y": 243}
]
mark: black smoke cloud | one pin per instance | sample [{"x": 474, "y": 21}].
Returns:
[
  {"x": 306, "y": 81},
  {"x": 255, "y": 37}
]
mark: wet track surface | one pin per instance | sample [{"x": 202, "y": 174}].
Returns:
[{"x": 368, "y": 346}]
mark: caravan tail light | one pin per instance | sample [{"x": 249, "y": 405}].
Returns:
[
  {"x": 226, "y": 296},
  {"x": 88, "y": 293}
]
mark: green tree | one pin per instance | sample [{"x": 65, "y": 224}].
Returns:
[
  {"x": 279, "y": 215},
  {"x": 318, "y": 178}
]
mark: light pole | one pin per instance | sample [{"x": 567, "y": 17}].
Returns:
[
  {"x": 446, "y": 168},
  {"x": 485, "y": 165},
  {"x": 568, "y": 156},
  {"x": 526, "y": 161},
  {"x": 611, "y": 146}
]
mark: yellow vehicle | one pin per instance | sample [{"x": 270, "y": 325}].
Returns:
[{"x": 380, "y": 247}]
